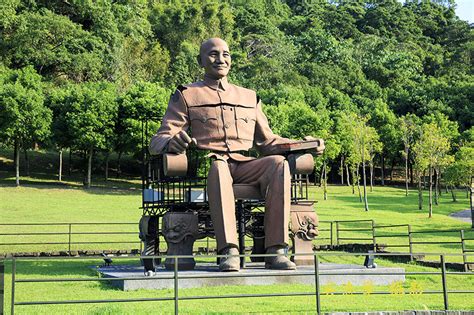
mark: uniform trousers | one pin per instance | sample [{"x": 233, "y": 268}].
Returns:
[{"x": 271, "y": 175}]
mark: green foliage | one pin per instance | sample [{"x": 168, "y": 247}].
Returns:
[
  {"x": 143, "y": 101},
  {"x": 88, "y": 112},
  {"x": 462, "y": 170},
  {"x": 57, "y": 47},
  {"x": 312, "y": 63},
  {"x": 23, "y": 116}
]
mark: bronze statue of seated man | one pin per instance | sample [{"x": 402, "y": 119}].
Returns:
[{"x": 227, "y": 119}]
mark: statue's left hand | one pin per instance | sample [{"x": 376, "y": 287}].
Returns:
[{"x": 320, "y": 149}]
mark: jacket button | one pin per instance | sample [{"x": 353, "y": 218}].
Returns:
[{"x": 226, "y": 126}]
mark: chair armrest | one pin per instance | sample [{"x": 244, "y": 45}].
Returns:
[
  {"x": 175, "y": 164},
  {"x": 302, "y": 163}
]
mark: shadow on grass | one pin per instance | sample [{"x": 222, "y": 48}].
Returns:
[
  {"x": 113, "y": 186},
  {"x": 64, "y": 267}
]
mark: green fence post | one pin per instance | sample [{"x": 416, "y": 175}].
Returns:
[
  {"x": 445, "y": 288},
  {"x": 463, "y": 247},
  {"x": 316, "y": 283},
  {"x": 331, "y": 232},
  {"x": 69, "y": 240},
  {"x": 410, "y": 245},
  {"x": 374, "y": 241},
  {"x": 176, "y": 298},
  {"x": 13, "y": 286},
  {"x": 2, "y": 285}
]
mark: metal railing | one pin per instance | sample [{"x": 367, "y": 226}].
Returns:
[
  {"x": 180, "y": 275},
  {"x": 339, "y": 232},
  {"x": 70, "y": 235}
]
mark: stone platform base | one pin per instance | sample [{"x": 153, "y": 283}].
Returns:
[{"x": 205, "y": 275}]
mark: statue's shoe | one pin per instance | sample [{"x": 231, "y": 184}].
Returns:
[
  {"x": 230, "y": 263},
  {"x": 280, "y": 262}
]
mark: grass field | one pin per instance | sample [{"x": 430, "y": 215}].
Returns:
[
  {"x": 115, "y": 202},
  {"x": 40, "y": 269},
  {"x": 41, "y": 199}
]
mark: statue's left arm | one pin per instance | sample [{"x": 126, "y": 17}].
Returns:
[{"x": 174, "y": 123}]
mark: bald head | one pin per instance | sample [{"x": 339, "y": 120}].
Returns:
[
  {"x": 209, "y": 43},
  {"x": 214, "y": 57}
]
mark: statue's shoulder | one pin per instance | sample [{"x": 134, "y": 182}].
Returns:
[
  {"x": 247, "y": 96},
  {"x": 242, "y": 89},
  {"x": 194, "y": 85}
]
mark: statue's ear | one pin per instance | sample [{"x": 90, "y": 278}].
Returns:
[{"x": 198, "y": 58}]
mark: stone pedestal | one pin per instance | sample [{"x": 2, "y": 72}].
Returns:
[
  {"x": 151, "y": 242},
  {"x": 180, "y": 230},
  {"x": 303, "y": 227}
]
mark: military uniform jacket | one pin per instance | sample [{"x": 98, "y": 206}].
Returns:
[{"x": 222, "y": 117}]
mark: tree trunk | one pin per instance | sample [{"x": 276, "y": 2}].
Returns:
[
  {"x": 471, "y": 192},
  {"x": 341, "y": 170},
  {"x": 424, "y": 179},
  {"x": 17, "y": 162},
  {"x": 412, "y": 178},
  {"x": 325, "y": 180},
  {"x": 391, "y": 169},
  {"x": 69, "y": 166},
  {"x": 349, "y": 178},
  {"x": 406, "y": 171},
  {"x": 439, "y": 182},
  {"x": 453, "y": 194},
  {"x": 364, "y": 181},
  {"x": 371, "y": 169},
  {"x": 383, "y": 170},
  {"x": 60, "y": 175},
  {"x": 436, "y": 192},
  {"x": 119, "y": 170},
  {"x": 430, "y": 193},
  {"x": 358, "y": 183},
  {"x": 420, "y": 193},
  {"x": 27, "y": 162},
  {"x": 107, "y": 155},
  {"x": 89, "y": 169}
]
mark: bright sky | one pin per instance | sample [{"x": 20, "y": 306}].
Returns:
[{"x": 465, "y": 10}]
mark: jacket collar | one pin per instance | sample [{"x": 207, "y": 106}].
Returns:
[{"x": 214, "y": 84}]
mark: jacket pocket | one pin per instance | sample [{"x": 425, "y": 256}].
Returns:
[
  {"x": 204, "y": 122},
  {"x": 245, "y": 122}
]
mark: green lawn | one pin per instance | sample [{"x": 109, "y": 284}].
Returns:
[
  {"x": 47, "y": 268},
  {"x": 41, "y": 199}
]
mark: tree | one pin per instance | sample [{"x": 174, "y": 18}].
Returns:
[
  {"x": 408, "y": 128},
  {"x": 57, "y": 48},
  {"x": 89, "y": 111},
  {"x": 431, "y": 151},
  {"x": 461, "y": 171},
  {"x": 23, "y": 116},
  {"x": 143, "y": 103}
]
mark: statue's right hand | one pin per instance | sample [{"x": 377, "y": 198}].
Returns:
[{"x": 179, "y": 143}]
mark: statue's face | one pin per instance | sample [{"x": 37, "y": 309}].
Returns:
[{"x": 215, "y": 58}]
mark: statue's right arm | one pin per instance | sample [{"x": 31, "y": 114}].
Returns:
[{"x": 175, "y": 120}]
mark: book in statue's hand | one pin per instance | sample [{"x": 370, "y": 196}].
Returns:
[{"x": 301, "y": 145}]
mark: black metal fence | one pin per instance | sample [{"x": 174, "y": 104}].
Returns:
[
  {"x": 74, "y": 237},
  {"x": 66, "y": 236},
  {"x": 178, "y": 275}
]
